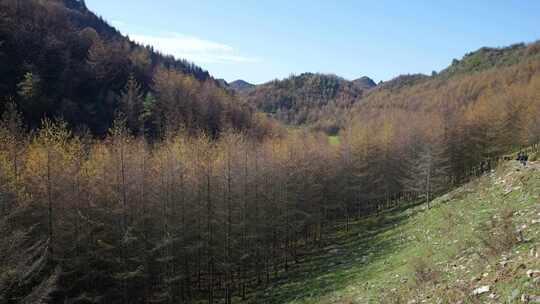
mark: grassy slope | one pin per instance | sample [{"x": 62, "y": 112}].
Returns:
[
  {"x": 379, "y": 265},
  {"x": 334, "y": 140}
]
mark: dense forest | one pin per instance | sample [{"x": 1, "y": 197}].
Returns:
[
  {"x": 237, "y": 85},
  {"x": 486, "y": 58},
  {"x": 321, "y": 102},
  {"x": 307, "y": 99},
  {"x": 123, "y": 220},
  {"x": 194, "y": 217},
  {"x": 75, "y": 66},
  {"x": 130, "y": 177}
]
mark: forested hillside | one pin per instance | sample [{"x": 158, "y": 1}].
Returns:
[
  {"x": 191, "y": 218},
  {"x": 307, "y": 99},
  {"x": 365, "y": 83},
  {"x": 476, "y": 244},
  {"x": 486, "y": 58},
  {"x": 237, "y": 85},
  {"x": 181, "y": 193},
  {"x": 320, "y": 101},
  {"x": 58, "y": 59},
  {"x": 475, "y": 117}
]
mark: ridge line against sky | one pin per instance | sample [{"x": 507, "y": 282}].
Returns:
[{"x": 264, "y": 40}]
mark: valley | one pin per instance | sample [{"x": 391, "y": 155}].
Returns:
[{"x": 131, "y": 174}]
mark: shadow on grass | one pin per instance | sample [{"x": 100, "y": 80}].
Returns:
[{"x": 321, "y": 272}]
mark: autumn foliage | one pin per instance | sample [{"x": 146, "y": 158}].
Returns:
[
  {"x": 130, "y": 177},
  {"x": 194, "y": 216}
]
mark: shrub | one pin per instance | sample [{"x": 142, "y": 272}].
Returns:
[
  {"x": 424, "y": 270},
  {"x": 499, "y": 234},
  {"x": 450, "y": 220},
  {"x": 533, "y": 156},
  {"x": 394, "y": 296}
]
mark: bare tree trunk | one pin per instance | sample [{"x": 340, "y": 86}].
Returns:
[
  {"x": 50, "y": 206},
  {"x": 145, "y": 230},
  {"x": 124, "y": 218},
  {"x": 209, "y": 211},
  {"x": 228, "y": 197},
  {"x": 256, "y": 221},
  {"x": 244, "y": 224},
  {"x": 347, "y": 220}
]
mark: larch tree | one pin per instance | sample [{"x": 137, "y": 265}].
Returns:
[
  {"x": 12, "y": 142},
  {"x": 428, "y": 172},
  {"x": 131, "y": 104}
]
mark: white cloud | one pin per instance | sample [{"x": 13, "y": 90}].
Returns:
[{"x": 193, "y": 48}]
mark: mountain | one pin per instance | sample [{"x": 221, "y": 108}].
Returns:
[
  {"x": 306, "y": 98},
  {"x": 222, "y": 82},
  {"x": 59, "y": 59},
  {"x": 402, "y": 81},
  {"x": 237, "y": 85},
  {"x": 324, "y": 102},
  {"x": 411, "y": 198},
  {"x": 481, "y": 60},
  {"x": 241, "y": 85},
  {"x": 365, "y": 83},
  {"x": 487, "y": 57}
]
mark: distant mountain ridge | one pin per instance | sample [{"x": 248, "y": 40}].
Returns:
[
  {"x": 237, "y": 85},
  {"x": 322, "y": 100},
  {"x": 365, "y": 83},
  {"x": 489, "y": 57},
  {"x": 241, "y": 85},
  {"x": 307, "y": 98},
  {"x": 402, "y": 81}
]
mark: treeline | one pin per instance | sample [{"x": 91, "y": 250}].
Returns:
[
  {"x": 59, "y": 60},
  {"x": 322, "y": 102},
  {"x": 125, "y": 221},
  {"x": 486, "y": 58},
  {"x": 188, "y": 217},
  {"x": 191, "y": 216},
  {"x": 188, "y": 195},
  {"x": 475, "y": 117},
  {"x": 489, "y": 84}
]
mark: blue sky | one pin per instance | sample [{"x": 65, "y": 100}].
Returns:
[{"x": 263, "y": 40}]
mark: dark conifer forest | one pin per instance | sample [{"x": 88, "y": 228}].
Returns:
[
  {"x": 59, "y": 59},
  {"x": 129, "y": 176}
]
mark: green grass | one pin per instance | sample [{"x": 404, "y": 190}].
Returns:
[
  {"x": 378, "y": 256},
  {"x": 333, "y": 140}
]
